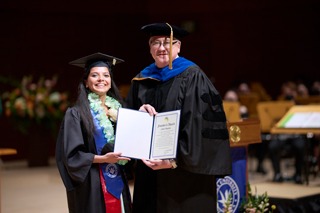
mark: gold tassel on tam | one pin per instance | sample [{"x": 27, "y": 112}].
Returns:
[{"x": 170, "y": 50}]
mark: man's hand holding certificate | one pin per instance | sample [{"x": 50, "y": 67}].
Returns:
[{"x": 141, "y": 136}]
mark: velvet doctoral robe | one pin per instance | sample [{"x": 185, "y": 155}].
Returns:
[{"x": 203, "y": 152}]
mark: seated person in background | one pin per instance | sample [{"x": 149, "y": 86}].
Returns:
[
  {"x": 314, "y": 159},
  {"x": 258, "y": 88},
  {"x": 247, "y": 97},
  {"x": 278, "y": 143},
  {"x": 232, "y": 96},
  {"x": 243, "y": 88},
  {"x": 315, "y": 88},
  {"x": 288, "y": 91},
  {"x": 302, "y": 90}
]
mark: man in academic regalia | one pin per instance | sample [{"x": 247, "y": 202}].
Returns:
[{"x": 187, "y": 183}]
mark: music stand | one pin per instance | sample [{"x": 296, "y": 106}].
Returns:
[
  {"x": 270, "y": 112},
  {"x": 232, "y": 110},
  {"x": 313, "y": 99},
  {"x": 300, "y": 119},
  {"x": 250, "y": 101}
]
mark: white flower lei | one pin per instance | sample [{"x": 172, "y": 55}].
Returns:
[{"x": 104, "y": 120}]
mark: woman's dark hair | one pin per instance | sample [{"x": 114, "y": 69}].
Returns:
[{"x": 82, "y": 102}]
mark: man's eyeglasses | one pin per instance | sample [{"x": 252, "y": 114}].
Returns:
[{"x": 165, "y": 44}]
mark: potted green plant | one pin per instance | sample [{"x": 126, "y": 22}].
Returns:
[{"x": 253, "y": 203}]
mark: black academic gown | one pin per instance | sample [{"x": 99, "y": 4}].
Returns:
[
  {"x": 74, "y": 157},
  {"x": 203, "y": 146}
]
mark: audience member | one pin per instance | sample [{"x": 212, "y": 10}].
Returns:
[
  {"x": 244, "y": 88},
  {"x": 288, "y": 91},
  {"x": 315, "y": 88},
  {"x": 232, "y": 96},
  {"x": 296, "y": 144},
  {"x": 257, "y": 88},
  {"x": 302, "y": 90}
]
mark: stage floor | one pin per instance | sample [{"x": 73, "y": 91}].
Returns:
[
  {"x": 39, "y": 190},
  {"x": 286, "y": 190},
  {"x": 287, "y": 196}
]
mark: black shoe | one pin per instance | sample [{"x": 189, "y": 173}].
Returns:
[
  {"x": 278, "y": 178},
  {"x": 298, "y": 179},
  {"x": 261, "y": 170}
]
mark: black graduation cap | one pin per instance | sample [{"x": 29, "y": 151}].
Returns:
[
  {"x": 164, "y": 29},
  {"x": 96, "y": 58}
]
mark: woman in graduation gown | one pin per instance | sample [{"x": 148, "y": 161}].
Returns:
[
  {"x": 187, "y": 183},
  {"x": 91, "y": 172}
]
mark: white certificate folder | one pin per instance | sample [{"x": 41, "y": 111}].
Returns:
[{"x": 141, "y": 136}]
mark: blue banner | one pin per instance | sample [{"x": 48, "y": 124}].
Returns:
[{"x": 233, "y": 188}]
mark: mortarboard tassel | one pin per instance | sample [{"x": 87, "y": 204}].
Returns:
[{"x": 170, "y": 50}]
